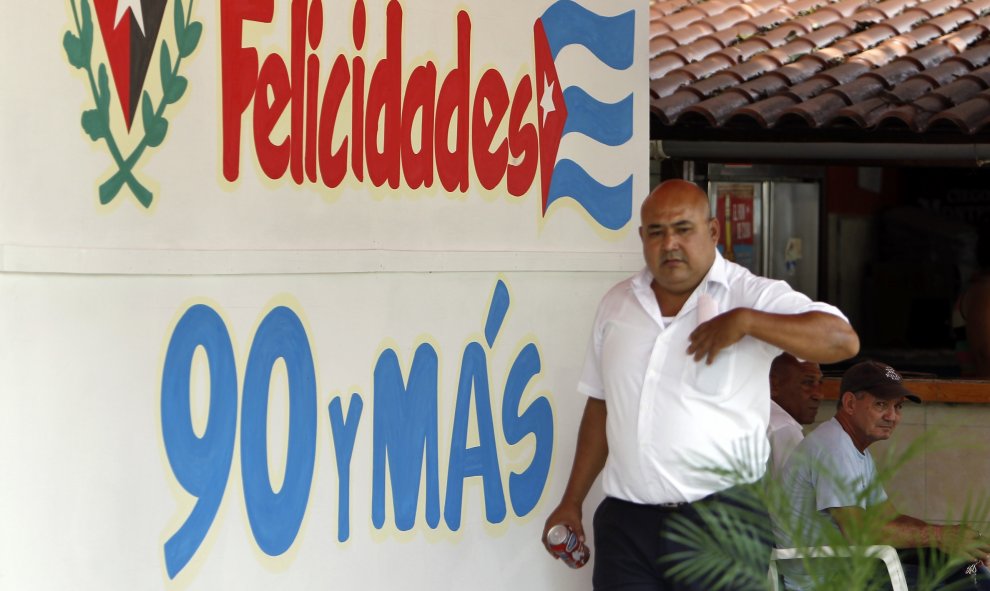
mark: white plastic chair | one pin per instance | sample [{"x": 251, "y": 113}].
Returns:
[{"x": 887, "y": 554}]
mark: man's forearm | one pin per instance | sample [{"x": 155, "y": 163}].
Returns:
[
  {"x": 904, "y": 531},
  {"x": 958, "y": 540},
  {"x": 591, "y": 452},
  {"x": 812, "y": 336},
  {"x": 899, "y": 531},
  {"x": 589, "y": 459},
  {"x": 908, "y": 532}
]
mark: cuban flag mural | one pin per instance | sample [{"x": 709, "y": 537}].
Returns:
[{"x": 573, "y": 110}]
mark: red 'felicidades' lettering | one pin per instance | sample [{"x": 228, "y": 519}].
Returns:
[{"x": 389, "y": 97}]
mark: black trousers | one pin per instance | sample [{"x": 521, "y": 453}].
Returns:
[{"x": 630, "y": 545}]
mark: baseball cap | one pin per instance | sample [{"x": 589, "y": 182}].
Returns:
[{"x": 878, "y": 379}]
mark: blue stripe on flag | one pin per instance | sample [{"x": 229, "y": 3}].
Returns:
[
  {"x": 609, "y": 38},
  {"x": 608, "y": 123},
  {"x": 609, "y": 206}
]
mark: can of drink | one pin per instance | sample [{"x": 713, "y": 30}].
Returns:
[{"x": 564, "y": 543}]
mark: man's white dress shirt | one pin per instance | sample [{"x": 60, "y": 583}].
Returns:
[
  {"x": 784, "y": 434},
  {"x": 670, "y": 419}
]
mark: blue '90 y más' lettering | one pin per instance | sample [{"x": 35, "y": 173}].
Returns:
[
  {"x": 200, "y": 464},
  {"x": 405, "y": 435},
  {"x": 275, "y": 517}
]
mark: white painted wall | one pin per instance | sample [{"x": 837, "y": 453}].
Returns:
[{"x": 91, "y": 296}]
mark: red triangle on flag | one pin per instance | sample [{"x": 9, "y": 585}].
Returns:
[
  {"x": 117, "y": 41},
  {"x": 551, "y": 120}
]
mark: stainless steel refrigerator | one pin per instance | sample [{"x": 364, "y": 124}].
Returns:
[{"x": 770, "y": 224}]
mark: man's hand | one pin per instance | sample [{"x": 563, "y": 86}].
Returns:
[
  {"x": 718, "y": 333},
  {"x": 568, "y": 514},
  {"x": 963, "y": 541},
  {"x": 589, "y": 459}
]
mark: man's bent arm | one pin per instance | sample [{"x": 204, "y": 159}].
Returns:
[
  {"x": 892, "y": 528},
  {"x": 904, "y": 531},
  {"x": 589, "y": 459},
  {"x": 813, "y": 336}
]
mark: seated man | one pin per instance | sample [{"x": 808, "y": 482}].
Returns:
[
  {"x": 795, "y": 394},
  {"x": 830, "y": 480}
]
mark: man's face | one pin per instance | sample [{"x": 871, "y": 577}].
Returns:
[
  {"x": 678, "y": 240},
  {"x": 874, "y": 419},
  {"x": 797, "y": 388}
]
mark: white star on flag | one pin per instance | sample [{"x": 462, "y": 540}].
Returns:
[
  {"x": 135, "y": 8},
  {"x": 546, "y": 103}
]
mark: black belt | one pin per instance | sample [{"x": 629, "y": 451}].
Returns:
[
  {"x": 680, "y": 504},
  {"x": 657, "y": 506}
]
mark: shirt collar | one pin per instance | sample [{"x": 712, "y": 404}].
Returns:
[
  {"x": 783, "y": 414},
  {"x": 718, "y": 273}
]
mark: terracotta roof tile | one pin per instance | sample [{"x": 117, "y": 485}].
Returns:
[
  {"x": 668, "y": 7},
  {"x": 823, "y": 66},
  {"x": 714, "y": 63},
  {"x": 773, "y": 28},
  {"x": 917, "y": 114},
  {"x": 665, "y": 86},
  {"x": 683, "y": 18},
  {"x": 657, "y": 28},
  {"x": 889, "y": 8},
  {"x": 695, "y": 51},
  {"x": 967, "y": 117}
]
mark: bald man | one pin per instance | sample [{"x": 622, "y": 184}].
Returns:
[
  {"x": 676, "y": 380},
  {"x": 795, "y": 395}
]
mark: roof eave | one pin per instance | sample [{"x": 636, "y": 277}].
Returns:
[{"x": 822, "y": 152}]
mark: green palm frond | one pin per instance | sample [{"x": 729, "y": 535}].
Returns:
[
  {"x": 730, "y": 551},
  {"x": 732, "y": 558}
]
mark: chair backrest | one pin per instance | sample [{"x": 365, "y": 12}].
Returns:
[{"x": 887, "y": 554}]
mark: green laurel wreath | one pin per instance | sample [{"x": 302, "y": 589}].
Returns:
[{"x": 96, "y": 122}]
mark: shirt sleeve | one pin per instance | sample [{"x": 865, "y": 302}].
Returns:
[
  {"x": 877, "y": 494},
  {"x": 778, "y": 297},
  {"x": 591, "y": 382}
]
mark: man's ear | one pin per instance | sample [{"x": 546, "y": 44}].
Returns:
[
  {"x": 774, "y": 385},
  {"x": 846, "y": 401},
  {"x": 714, "y": 229}
]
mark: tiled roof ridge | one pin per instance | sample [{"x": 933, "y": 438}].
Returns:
[
  {"x": 698, "y": 12},
  {"x": 821, "y": 107},
  {"x": 969, "y": 117},
  {"x": 764, "y": 16},
  {"x": 760, "y": 38},
  {"x": 661, "y": 9},
  {"x": 910, "y": 78},
  {"x": 918, "y": 114},
  {"x": 723, "y": 32},
  {"x": 778, "y": 61},
  {"x": 817, "y": 43},
  {"x": 769, "y": 30},
  {"x": 808, "y": 77},
  {"x": 903, "y": 68}
]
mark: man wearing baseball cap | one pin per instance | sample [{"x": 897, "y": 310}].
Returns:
[{"x": 831, "y": 482}]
